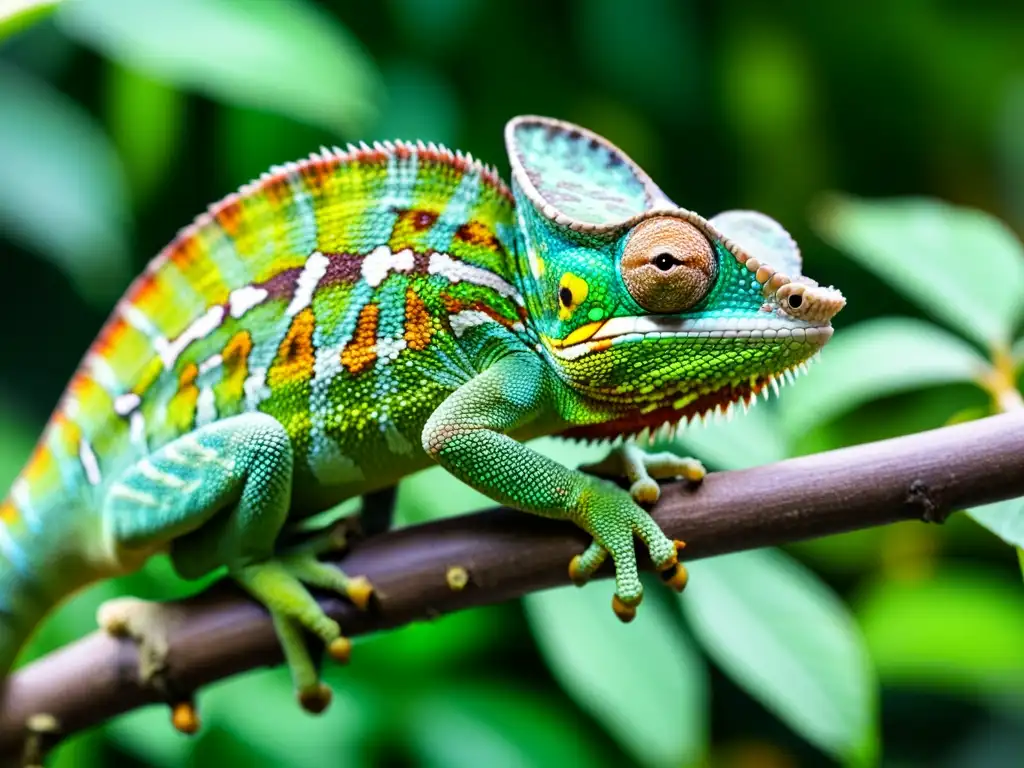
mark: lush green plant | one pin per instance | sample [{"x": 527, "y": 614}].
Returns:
[{"x": 177, "y": 102}]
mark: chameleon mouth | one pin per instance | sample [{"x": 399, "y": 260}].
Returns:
[{"x": 619, "y": 330}]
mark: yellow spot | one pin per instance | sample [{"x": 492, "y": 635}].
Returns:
[
  {"x": 295, "y": 357},
  {"x": 148, "y": 375},
  {"x": 582, "y": 333},
  {"x": 236, "y": 367},
  {"x": 419, "y": 325},
  {"x": 8, "y": 512},
  {"x": 576, "y": 289},
  {"x": 181, "y": 410},
  {"x": 360, "y": 353}
]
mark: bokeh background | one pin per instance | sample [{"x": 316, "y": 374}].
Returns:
[{"x": 901, "y": 646}]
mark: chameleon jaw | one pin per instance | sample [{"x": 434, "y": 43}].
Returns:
[
  {"x": 619, "y": 330},
  {"x": 661, "y": 420}
]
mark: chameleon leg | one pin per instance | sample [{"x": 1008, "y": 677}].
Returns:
[
  {"x": 220, "y": 496},
  {"x": 465, "y": 434}
]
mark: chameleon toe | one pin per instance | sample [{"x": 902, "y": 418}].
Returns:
[
  {"x": 360, "y": 591},
  {"x": 576, "y": 573},
  {"x": 184, "y": 717},
  {"x": 316, "y": 698},
  {"x": 625, "y": 611},
  {"x": 676, "y": 577},
  {"x": 645, "y": 491},
  {"x": 340, "y": 650}
]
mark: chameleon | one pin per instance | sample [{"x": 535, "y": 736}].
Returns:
[{"x": 351, "y": 318}]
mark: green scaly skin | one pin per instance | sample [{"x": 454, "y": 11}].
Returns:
[{"x": 345, "y": 321}]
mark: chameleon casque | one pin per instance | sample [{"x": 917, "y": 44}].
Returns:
[{"x": 348, "y": 319}]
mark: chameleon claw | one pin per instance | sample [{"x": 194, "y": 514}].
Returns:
[
  {"x": 625, "y": 611},
  {"x": 672, "y": 572},
  {"x": 676, "y": 577},
  {"x": 645, "y": 491},
  {"x": 693, "y": 472},
  {"x": 360, "y": 591},
  {"x": 340, "y": 650},
  {"x": 184, "y": 718},
  {"x": 577, "y": 574},
  {"x": 316, "y": 698}
]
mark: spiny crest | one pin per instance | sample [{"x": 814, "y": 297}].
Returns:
[
  {"x": 666, "y": 422},
  {"x": 330, "y": 158}
]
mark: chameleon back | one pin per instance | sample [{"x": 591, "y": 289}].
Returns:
[{"x": 309, "y": 295}]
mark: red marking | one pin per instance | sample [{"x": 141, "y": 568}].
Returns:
[
  {"x": 184, "y": 251},
  {"x": 278, "y": 190},
  {"x": 110, "y": 336},
  {"x": 228, "y": 214},
  {"x": 634, "y": 423},
  {"x": 453, "y": 305},
  {"x": 478, "y": 233},
  {"x": 316, "y": 173},
  {"x": 141, "y": 291}
]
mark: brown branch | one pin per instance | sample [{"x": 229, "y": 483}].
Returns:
[{"x": 507, "y": 554}]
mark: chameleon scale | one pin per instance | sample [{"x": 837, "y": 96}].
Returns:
[{"x": 348, "y": 319}]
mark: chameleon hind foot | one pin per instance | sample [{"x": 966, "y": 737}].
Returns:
[
  {"x": 643, "y": 470},
  {"x": 281, "y": 586},
  {"x": 148, "y": 624}
]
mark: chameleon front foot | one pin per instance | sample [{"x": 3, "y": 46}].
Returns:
[{"x": 281, "y": 585}]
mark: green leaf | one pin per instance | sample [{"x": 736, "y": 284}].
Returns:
[
  {"x": 259, "y": 710},
  {"x": 430, "y": 648},
  {"x": 15, "y": 447},
  {"x": 1004, "y": 518},
  {"x": 433, "y": 494},
  {"x": 962, "y": 630},
  {"x": 63, "y": 191},
  {"x": 17, "y": 15},
  {"x": 748, "y": 440},
  {"x": 147, "y": 732},
  {"x": 283, "y": 55},
  {"x": 491, "y": 724},
  {"x": 1018, "y": 352},
  {"x": 421, "y": 104},
  {"x": 147, "y": 121},
  {"x": 784, "y": 636},
  {"x": 875, "y": 359},
  {"x": 644, "y": 682},
  {"x": 962, "y": 265}
]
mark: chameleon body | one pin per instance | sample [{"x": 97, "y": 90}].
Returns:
[{"x": 349, "y": 319}]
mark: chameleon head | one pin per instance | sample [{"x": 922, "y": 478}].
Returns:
[{"x": 650, "y": 311}]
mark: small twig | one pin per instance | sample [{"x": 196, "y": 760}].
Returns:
[{"x": 501, "y": 554}]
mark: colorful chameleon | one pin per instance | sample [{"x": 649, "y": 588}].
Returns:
[{"x": 349, "y": 319}]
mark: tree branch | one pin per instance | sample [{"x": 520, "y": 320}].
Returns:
[{"x": 507, "y": 554}]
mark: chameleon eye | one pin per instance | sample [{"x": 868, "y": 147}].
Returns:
[{"x": 668, "y": 265}]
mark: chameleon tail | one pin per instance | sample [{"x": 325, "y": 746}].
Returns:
[{"x": 37, "y": 570}]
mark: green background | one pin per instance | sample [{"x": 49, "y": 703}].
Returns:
[{"x": 900, "y": 646}]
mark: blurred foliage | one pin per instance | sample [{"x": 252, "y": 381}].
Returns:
[{"x": 119, "y": 121}]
